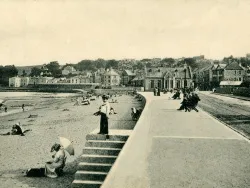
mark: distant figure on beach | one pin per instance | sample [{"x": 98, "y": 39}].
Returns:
[
  {"x": 104, "y": 112},
  {"x": 112, "y": 111},
  {"x": 5, "y": 109},
  {"x": 23, "y": 107},
  {"x": 54, "y": 168}
]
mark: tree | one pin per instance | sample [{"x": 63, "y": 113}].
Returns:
[
  {"x": 54, "y": 68},
  {"x": 85, "y": 65},
  {"x": 168, "y": 61},
  {"x": 35, "y": 71},
  {"x": 24, "y": 73},
  {"x": 6, "y": 73},
  {"x": 112, "y": 63},
  {"x": 100, "y": 63}
]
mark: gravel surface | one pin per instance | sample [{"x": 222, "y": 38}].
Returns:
[{"x": 234, "y": 112}]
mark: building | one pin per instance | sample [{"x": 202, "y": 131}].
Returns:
[
  {"x": 111, "y": 78},
  {"x": 25, "y": 81},
  {"x": 169, "y": 78},
  {"x": 248, "y": 56},
  {"x": 138, "y": 81},
  {"x": 33, "y": 80},
  {"x": 15, "y": 81},
  {"x": 126, "y": 77},
  {"x": 80, "y": 79},
  {"x": 203, "y": 77},
  {"x": 98, "y": 76},
  {"x": 44, "y": 80},
  {"x": 69, "y": 70}
]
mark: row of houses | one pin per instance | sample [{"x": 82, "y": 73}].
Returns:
[
  {"x": 205, "y": 78},
  {"x": 107, "y": 78},
  {"x": 220, "y": 75}
]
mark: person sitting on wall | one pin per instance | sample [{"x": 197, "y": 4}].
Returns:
[{"x": 176, "y": 95}]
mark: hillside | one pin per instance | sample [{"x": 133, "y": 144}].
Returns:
[{"x": 27, "y": 69}]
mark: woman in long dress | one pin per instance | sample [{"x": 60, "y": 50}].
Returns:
[{"x": 54, "y": 168}]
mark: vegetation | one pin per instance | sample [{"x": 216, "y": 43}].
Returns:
[{"x": 6, "y": 72}]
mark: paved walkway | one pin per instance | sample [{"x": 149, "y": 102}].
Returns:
[{"x": 169, "y": 148}]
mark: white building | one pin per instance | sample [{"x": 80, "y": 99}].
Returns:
[
  {"x": 81, "y": 79},
  {"x": 25, "y": 81},
  {"x": 44, "y": 80},
  {"x": 15, "y": 81},
  {"x": 69, "y": 70},
  {"x": 111, "y": 78}
]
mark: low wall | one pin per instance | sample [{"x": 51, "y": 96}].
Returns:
[
  {"x": 129, "y": 168},
  {"x": 237, "y": 91}
]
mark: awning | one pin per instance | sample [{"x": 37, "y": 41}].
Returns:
[{"x": 230, "y": 83}]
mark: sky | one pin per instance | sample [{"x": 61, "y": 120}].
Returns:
[{"x": 67, "y": 31}]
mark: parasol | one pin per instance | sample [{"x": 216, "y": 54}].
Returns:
[{"x": 67, "y": 145}]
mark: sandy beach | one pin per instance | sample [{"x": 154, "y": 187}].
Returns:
[{"x": 55, "y": 117}]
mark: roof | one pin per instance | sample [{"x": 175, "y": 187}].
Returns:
[
  {"x": 233, "y": 66},
  {"x": 111, "y": 73},
  {"x": 138, "y": 78},
  {"x": 129, "y": 72},
  {"x": 163, "y": 71},
  {"x": 221, "y": 65},
  {"x": 230, "y": 83}
]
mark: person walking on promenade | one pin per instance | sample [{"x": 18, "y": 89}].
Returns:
[
  {"x": 104, "y": 112},
  {"x": 158, "y": 91},
  {"x": 5, "y": 109},
  {"x": 155, "y": 91},
  {"x": 23, "y": 107}
]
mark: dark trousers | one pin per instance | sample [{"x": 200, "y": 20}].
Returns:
[{"x": 104, "y": 125}]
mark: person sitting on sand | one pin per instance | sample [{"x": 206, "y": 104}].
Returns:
[
  {"x": 16, "y": 130},
  {"x": 54, "y": 168},
  {"x": 112, "y": 111}
]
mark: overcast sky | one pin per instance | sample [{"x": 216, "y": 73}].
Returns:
[{"x": 37, "y": 32}]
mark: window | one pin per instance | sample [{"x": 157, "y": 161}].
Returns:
[
  {"x": 150, "y": 70},
  {"x": 239, "y": 79},
  {"x": 239, "y": 72},
  {"x": 234, "y": 72},
  {"x": 159, "y": 70},
  {"x": 152, "y": 84}
]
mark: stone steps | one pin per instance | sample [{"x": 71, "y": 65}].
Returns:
[
  {"x": 105, "y": 144},
  {"x": 99, "y": 167},
  {"x": 104, "y": 137},
  {"x": 90, "y": 175},
  {"x": 98, "y": 159},
  {"x": 86, "y": 184},
  {"x": 101, "y": 151}
]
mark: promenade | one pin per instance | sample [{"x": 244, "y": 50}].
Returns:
[{"x": 170, "y": 148}]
